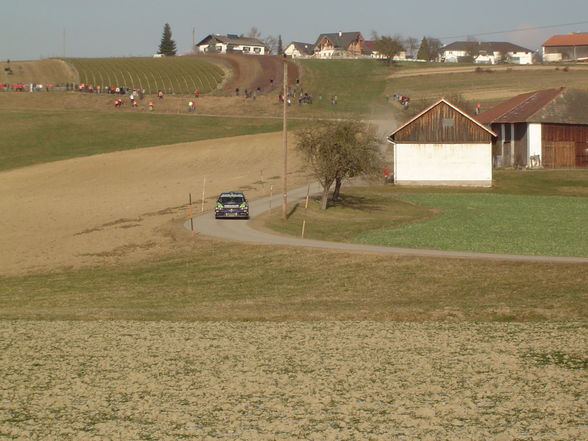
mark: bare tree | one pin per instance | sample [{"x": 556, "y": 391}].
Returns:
[
  {"x": 390, "y": 46},
  {"x": 340, "y": 150},
  {"x": 411, "y": 44},
  {"x": 254, "y": 33},
  {"x": 271, "y": 43}
]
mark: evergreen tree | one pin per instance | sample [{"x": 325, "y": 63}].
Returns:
[
  {"x": 167, "y": 46},
  {"x": 280, "y": 49},
  {"x": 423, "y": 53}
]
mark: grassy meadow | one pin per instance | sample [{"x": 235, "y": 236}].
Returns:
[
  {"x": 219, "y": 281},
  {"x": 36, "y": 137},
  {"x": 358, "y": 85},
  {"x": 532, "y": 212}
]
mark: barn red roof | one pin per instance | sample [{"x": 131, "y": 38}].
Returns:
[
  {"x": 580, "y": 39},
  {"x": 520, "y": 108},
  {"x": 557, "y": 106}
]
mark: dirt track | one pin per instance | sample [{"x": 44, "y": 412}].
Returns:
[
  {"x": 466, "y": 69},
  {"x": 117, "y": 207}
]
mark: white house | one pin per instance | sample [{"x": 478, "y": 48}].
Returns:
[
  {"x": 231, "y": 43},
  {"x": 297, "y": 49},
  {"x": 442, "y": 146},
  {"x": 491, "y": 52}
]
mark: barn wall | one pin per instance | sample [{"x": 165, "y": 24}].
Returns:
[
  {"x": 443, "y": 164},
  {"x": 565, "y": 146},
  {"x": 442, "y": 124}
]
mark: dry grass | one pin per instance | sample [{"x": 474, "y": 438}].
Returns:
[{"x": 132, "y": 381}]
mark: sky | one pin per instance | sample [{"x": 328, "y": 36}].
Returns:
[{"x": 36, "y": 29}]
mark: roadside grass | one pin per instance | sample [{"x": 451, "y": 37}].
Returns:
[
  {"x": 531, "y": 212},
  {"x": 35, "y": 137},
  {"x": 221, "y": 281}
]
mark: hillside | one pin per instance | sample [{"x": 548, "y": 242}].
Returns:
[{"x": 39, "y": 71}]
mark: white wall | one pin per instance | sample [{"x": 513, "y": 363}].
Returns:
[
  {"x": 534, "y": 141},
  {"x": 222, "y": 48},
  {"x": 522, "y": 57},
  {"x": 443, "y": 164}
]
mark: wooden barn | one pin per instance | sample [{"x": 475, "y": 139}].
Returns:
[
  {"x": 547, "y": 128},
  {"x": 443, "y": 146}
]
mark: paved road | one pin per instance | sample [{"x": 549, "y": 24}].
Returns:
[{"x": 240, "y": 230}]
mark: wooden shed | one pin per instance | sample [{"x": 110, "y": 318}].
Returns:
[
  {"x": 546, "y": 128},
  {"x": 443, "y": 145}
]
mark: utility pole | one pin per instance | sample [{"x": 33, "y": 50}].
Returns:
[
  {"x": 285, "y": 142},
  {"x": 63, "y": 42},
  {"x": 193, "y": 39}
]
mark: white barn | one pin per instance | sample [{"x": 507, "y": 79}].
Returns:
[{"x": 443, "y": 146}]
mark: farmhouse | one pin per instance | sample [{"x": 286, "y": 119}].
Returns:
[
  {"x": 567, "y": 47},
  {"x": 297, "y": 49},
  {"x": 491, "y": 52},
  {"x": 222, "y": 44},
  {"x": 443, "y": 146},
  {"x": 339, "y": 45},
  {"x": 546, "y": 128}
]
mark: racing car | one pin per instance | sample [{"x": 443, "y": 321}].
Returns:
[{"x": 231, "y": 204}]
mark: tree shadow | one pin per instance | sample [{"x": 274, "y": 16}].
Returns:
[
  {"x": 355, "y": 203},
  {"x": 293, "y": 210}
]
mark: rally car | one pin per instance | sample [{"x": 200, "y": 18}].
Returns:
[{"x": 231, "y": 204}]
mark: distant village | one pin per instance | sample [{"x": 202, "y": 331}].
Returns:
[{"x": 558, "y": 48}]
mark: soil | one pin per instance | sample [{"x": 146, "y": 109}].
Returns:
[{"x": 118, "y": 207}]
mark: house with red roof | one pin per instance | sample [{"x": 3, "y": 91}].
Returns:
[
  {"x": 566, "y": 47},
  {"x": 546, "y": 128}
]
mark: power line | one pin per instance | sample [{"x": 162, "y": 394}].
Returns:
[{"x": 531, "y": 28}]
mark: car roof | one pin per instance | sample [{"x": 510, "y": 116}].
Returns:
[{"x": 232, "y": 193}]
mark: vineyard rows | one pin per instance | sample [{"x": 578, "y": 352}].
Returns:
[{"x": 178, "y": 75}]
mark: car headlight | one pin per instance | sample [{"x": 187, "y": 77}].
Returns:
[{"x": 219, "y": 205}]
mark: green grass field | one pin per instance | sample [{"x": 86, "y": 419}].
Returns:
[
  {"x": 533, "y": 212},
  {"x": 358, "y": 84},
  {"x": 180, "y": 75},
  {"x": 36, "y": 137},
  {"x": 492, "y": 223}
]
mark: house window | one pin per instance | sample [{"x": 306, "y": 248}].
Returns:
[
  {"x": 246, "y": 48},
  {"x": 448, "y": 123},
  {"x": 257, "y": 50}
]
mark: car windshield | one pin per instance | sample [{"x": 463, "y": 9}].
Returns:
[{"x": 231, "y": 199}]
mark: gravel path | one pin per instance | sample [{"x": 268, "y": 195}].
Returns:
[{"x": 242, "y": 231}]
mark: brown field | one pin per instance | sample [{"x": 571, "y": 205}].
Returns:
[
  {"x": 122, "y": 380},
  {"x": 108, "y": 208}
]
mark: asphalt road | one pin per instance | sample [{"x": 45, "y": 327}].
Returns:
[{"x": 241, "y": 230}]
